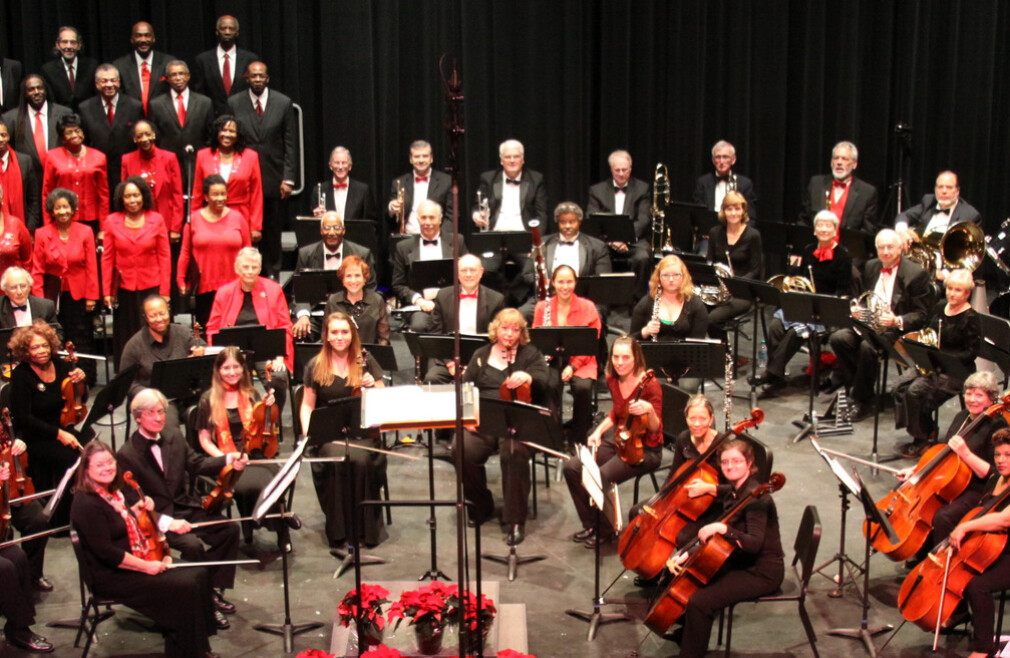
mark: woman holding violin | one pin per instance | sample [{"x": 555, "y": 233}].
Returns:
[
  {"x": 123, "y": 564},
  {"x": 229, "y": 419},
  {"x": 638, "y": 411},
  {"x": 340, "y": 371},
  {"x": 367, "y": 308}
]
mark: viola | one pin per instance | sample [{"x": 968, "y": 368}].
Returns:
[
  {"x": 23, "y": 485},
  {"x": 521, "y": 393},
  {"x": 704, "y": 562},
  {"x": 629, "y": 437},
  {"x": 264, "y": 432},
  {"x": 359, "y": 363},
  {"x": 224, "y": 487},
  {"x": 74, "y": 410},
  {"x": 651, "y": 536},
  {"x": 5, "y": 502},
  {"x": 939, "y": 477},
  {"x": 933, "y": 589},
  {"x": 157, "y": 545}
]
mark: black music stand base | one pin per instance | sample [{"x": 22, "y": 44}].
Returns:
[
  {"x": 846, "y": 565},
  {"x": 597, "y": 617},
  {"x": 513, "y": 560},
  {"x": 346, "y": 557},
  {"x": 864, "y": 633}
]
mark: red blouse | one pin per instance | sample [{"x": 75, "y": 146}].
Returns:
[
  {"x": 245, "y": 183},
  {"x": 213, "y": 246},
  {"x": 86, "y": 177},
  {"x": 653, "y": 394},
  {"x": 74, "y": 260},
  {"x": 15, "y": 244},
  {"x": 136, "y": 258},
  {"x": 161, "y": 171},
  {"x": 582, "y": 313}
]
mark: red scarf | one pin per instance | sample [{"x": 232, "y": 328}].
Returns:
[
  {"x": 137, "y": 544},
  {"x": 14, "y": 196}
]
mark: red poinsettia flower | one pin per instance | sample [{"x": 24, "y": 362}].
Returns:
[
  {"x": 314, "y": 653},
  {"x": 372, "y": 598},
  {"x": 382, "y": 651}
]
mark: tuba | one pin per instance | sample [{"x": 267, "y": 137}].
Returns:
[
  {"x": 869, "y": 308},
  {"x": 660, "y": 199}
]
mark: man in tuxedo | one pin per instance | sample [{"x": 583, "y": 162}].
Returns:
[
  {"x": 217, "y": 73},
  {"x": 429, "y": 244},
  {"x": 69, "y": 76},
  {"x": 422, "y": 183},
  {"x": 349, "y": 198},
  {"x": 33, "y": 121},
  {"x": 905, "y": 289},
  {"x": 21, "y": 179},
  {"x": 710, "y": 188},
  {"x": 143, "y": 70},
  {"x": 18, "y": 307},
  {"x": 108, "y": 120},
  {"x": 853, "y": 201},
  {"x": 623, "y": 194},
  {"x": 327, "y": 254},
  {"x": 183, "y": 117},
  {"x": 936, "y": 213},
  {"x": 515, "y": 194},
  {"x": 163, "y": 463},
  {"x": 11, "y": 71},
  {"x": 268, "y": 123}
]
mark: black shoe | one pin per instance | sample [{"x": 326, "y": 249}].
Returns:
[
  {"x": 24, "y": 638},
  {"x": 860, "y": 411},
  {"x": 771, "y": 389},
  {"x": 582, "y": 535},
  {"x": 221, "y": 621},
  {"x": 223, "y": 605},
  {"x": 759, "y": 381},
  {"x": 642, "y": 582},
  {"x": 676, "y": 635},
  {"x": 912, "y": 450},
  {"x": 913, "y": 562},
  {"x": 516, "y": 534},
  {"x": 294, "y": 522},
  {"x": 601, "y": 539},
  {"x": 42, "y": 584}
]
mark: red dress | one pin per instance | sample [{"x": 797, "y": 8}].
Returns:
[
  {"x": 213, "y": 246},
  {"x": 161, "y": 171},
  {"x": 86, "y": 177},
  {"x": 15, "y": 244},
  {"x": 245, "y": 183}
]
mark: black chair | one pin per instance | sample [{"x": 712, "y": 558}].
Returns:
[
  {"x": 808, "y": 539},
  {"x": 674, "y": 399},
  {"x": 91, "y": 613}
]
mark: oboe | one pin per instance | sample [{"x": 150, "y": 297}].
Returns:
[{"x": 727, "y": 389}]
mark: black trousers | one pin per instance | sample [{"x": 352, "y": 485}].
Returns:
[
  {"x": 582, "y": 403},
  {"x": 915, "y": 400},
  {"x": 979, "y": 595},
  {"x": 274, "y": 220},
  {"x": 16, "y": 598},
  {"x": 782, "y": 345},
  {"x": 515, "y": 467},
  {"x": 29, "y": 518},
  {"x": 368, "y": 470},
  {"x": 128, "y": 317},
  {"x": 720, "y": 314},
  {"x": 209, "y": 544},
  {"x": 79, "y": 328},
  {"x": 857, "y": 363}
]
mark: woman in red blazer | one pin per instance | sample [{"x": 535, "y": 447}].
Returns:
[
  {"x": 15, "y": 240},
  {"x": 65, "y": 255},
  {"x": 239, "y": 166},
  {"x": 80, "y": 169},
  {"x": 137, "y": 260},
  {"x": 160, "y": 168}
]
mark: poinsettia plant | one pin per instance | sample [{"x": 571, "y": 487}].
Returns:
[
  {"x": 372, "y": 598},
  {"x": 427, "y": 604},
  {"x": 314, "y": 653},
  {"x": 382, "y": 651},
  {"x": 469, "y": 599},
  {"x": 510, "y": 653}
]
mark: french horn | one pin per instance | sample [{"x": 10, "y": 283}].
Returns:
[
  {"x": 787, "y": 283},
  {"x": 714, "y": 295},
  {"x": 869, "y": 308}
]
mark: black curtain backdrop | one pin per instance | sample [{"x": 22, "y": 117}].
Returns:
[{"x": 574, "y": 79}]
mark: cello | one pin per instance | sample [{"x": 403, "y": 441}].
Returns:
[
  {"x": 265, "y": 427},
  {"x": 628, "y": 437},
  {"x": 650, "y": 537},
  {"x": 157, "y": 545},
  {"x": 74, "y": 410},
  {"x": 939, "y": 477},
  {"x": 704, "y": 561},
  {"x": 23, "y": 485}
]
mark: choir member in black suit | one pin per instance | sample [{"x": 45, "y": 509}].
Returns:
[
  {"x": 35, "y": 111},
  {"x": 423, "y": 183},
  {"x": 18, "y": 307},
  {"x": 21, "y": 180},
  {"x": 115, "y": 548},
  {"x": 11, "y": 71},
  {"x": 937, "y": 212},
  {"x": 143, "y": 70},
  {"x": 163, "y": 463},
  {"x": 739, "y": 242},
  {"x": 958, "y": 333},
  {"x": 625, "y": 195},
  {"x": 113, "y": 137},
  {"x": 69, "y": 76},
  {"x": 852, "y": 200},
  {"x": 268, "y": 123},
  {"x": 831, "y": 265},
  {"x": 349, "y": 198},
  {"x": 218, "y": 72},
  {"x": 183, "y": 116},
  {"x": 711, "y": 188}
]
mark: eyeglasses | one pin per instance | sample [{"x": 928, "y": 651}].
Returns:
[
  {"x": 672, "y": 275},
  {"x": 332, "y": 229},
  {"x": 17, "y": 286},
  {"x": 154, "y": 412},
  {"x": 732, "y": 461}
]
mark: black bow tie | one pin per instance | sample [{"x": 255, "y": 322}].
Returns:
[
  {"x": 623, "y": 190},
  {"x": 511, "y": 181},
  {"x": 23, "y": 307},
  {"x": 943, "y": 211},
  {"x": 429, "y": 243},
  {"x": 566, "y": 243},
  {"x": 160, "y": 442},
  {"x": 329, "y": 256}
]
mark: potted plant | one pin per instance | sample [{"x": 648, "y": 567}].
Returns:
[
  {"x": 368, "y": 610},
  {"x": 424, "y": 608},
  {"x": 382, "y": 651},
  {"x": 468, "y": 632}
]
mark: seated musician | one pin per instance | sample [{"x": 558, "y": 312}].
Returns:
[
  {"x": 327, "y": 254},
  {"x": 116, "y": 549},
  {"x": 366, "y": 307},
  {"x": 162, "y": 463},
  {"x": 509, "y": 359},
  {"x": 904, "y": 289},
  {"x": 333, "y": 374},
  {"x": 428, "y": 245},
  {"x": 160, "y": 340},
  {"x": 754, "y": 569},
  {"x": 739, "y": 242},
  {"x": 224, "y": 420},
  {"x": 566, "y": 309},
  {"x": 981, "y": 589},
  {"x": 625, "y": 375},
  {"x": 672, "y": 311},
  {"x": 27, "y": 517},
  {"x": 255, "y": 300},
  {"x": 36, "y": 403},
  {"x": 423, "y": 183},
  {"x": 831, "y": 265},
  {"x": 17, "y": 601},
  {"x": 18, "y": 307},
  {"x": 957, "y": 329}
]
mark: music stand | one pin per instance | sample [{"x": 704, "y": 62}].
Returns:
[
  {"x": 931, "y": 359},
  {"x": 342, "y": 417},
  {"x": 702, "y": 359},
  {"x": 856, "y": 243},
  {"x": 617, "y": 289},
  {"x": 779, "y": 240},
  {"x": 108, "y": 400},
  {"x": 686, "y": 220},
  {"x": 430, "y": 273},
  {"x": 363, "y": 232},
  {"x": 384, "y": 354},
  {"x": 263, "y": 343},
  {"x": 846, "y": 565},
  {"x": 563, "y": 342},
  {"x": 761, "y": 295},
  {"x": 884, "y": 346},
  {"x": 814, "y": 309},
  {"x": 609, "y": 227},
  {"x": 313, "y": 287},
  {"x": 439, "y": 346},
  {"x": 273, "y": 493},
  {"x": 304, "y": 353},
  {"x": 307, "y": 230},
  {"x": 183, "y": 379},
  {"x": 510, "y": 421},
  {"x": 500, "y": 243},
  {"x": 702, "y": 273}
]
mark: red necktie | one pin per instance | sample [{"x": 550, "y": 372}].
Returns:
[
  {"x": 70, "y": 76},
  {"x": 180, "y": 110},
  {"x": 259, "y": 108},
  {"x": 40, "y": 139},
  {"x": 226, "y": 76},
  {"x": 468, "y": 295},
  {"x": 339, "y": 186},
  {"x": 420, "y": 179},
  {"x": 145, "y": 84},
  {"x": 109, "y": 111}
]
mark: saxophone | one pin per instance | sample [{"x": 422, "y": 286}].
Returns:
[
  {"x": 660, "y": 195},
  {"x": 484, "y": 208},
  {"x": 655, "y": 310}
]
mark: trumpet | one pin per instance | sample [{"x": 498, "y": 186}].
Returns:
[
  {"x": 660, "y": 199},
  {"x": 484, "y": 208},
  {"x": 401, "y": 214},
  {"x": 827, "y": 199}
]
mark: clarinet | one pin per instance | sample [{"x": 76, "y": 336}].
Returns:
[
  {"x": 655, "y": 310},
  {"x": 547, "y": 312},
  {"x": 727, "y": 389}
]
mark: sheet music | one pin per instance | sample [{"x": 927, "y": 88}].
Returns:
[
  {"x": 592, "y": 481},
  {"x": 412, "y": 403}
]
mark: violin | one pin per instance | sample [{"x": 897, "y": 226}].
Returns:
[
  {"x": 264, "y": 432},
  {"x": 224, "y": 487},
  {"x": 650, "y": 538},
  {"x": 629, "y": 436},
  {"x": 5, "y": 501},
  {"x": 359, "y": 363},
  {"x": 939, "y": 477},
  {"x": 23, "y": 485},
  {"x": 705, "y": 560},
  {"x": 157, "y": 545},
  {"x": 521, "y": 393},
  {"x": 74, "y": 410},
  {"x": 933, "y": 589}
]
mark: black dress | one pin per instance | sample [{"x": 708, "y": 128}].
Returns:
[
  {"x": 369, "y": 468},
  {"x": 178, "y": 600},
  {"x": 747, "y": 260},
  {"x": 692, "y": 322}
]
